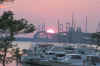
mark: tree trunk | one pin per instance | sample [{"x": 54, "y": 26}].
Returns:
[
  {"x": 4, "y": 57},
  {"x": 17, "y": 62}
]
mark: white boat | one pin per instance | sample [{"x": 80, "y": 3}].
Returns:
[
  {"x": 63, "y": 58},
  {"x": 74, "y": 59}
]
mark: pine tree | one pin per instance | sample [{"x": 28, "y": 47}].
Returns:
[{"x": 9, "y": 27}]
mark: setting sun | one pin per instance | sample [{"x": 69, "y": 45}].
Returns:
[
  {"x": 2, "y": 6},
  {"x": 50, "y": 31}
]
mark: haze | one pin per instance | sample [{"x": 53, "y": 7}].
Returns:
[{"x": 48, "y": 11}]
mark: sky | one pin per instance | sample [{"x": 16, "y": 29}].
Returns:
[{"x": 49, "y": 11}]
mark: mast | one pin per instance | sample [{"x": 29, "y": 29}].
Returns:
[
  {"x": 86, "y": 26},
  {"x": 72, "y": 20},
  {"x": 58, "y": 25},
  {"x": 44, "y": 27},
  {"x": 67, "y": 27}
]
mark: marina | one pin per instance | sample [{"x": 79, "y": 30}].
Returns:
[
  {"x": 49, "y": 33},
  {"x": 49, "y": 55}
]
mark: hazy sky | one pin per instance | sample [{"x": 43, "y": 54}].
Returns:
[{"x": 48, "y": 11}]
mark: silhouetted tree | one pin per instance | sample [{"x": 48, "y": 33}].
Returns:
[
  {"x": 2, "y": 1},
  {"x": 17, "y": 53},
  {"x": 96, "y": 39},
  {"x": 9, "y": 27}
]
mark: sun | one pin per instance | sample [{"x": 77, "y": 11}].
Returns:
[
  {"x": 2, "y": 6},
  {"x": 50, "y": 31}
]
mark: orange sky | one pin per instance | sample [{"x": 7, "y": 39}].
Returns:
[{"x": 48, "y": 11}]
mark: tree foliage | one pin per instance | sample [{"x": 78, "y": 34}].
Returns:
[
  {"x": 96, "y": 38},
  {"x": 2, "y": 1},
  {"x": 17, "y": 53},
  {"x": 9, "y": 27}
]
